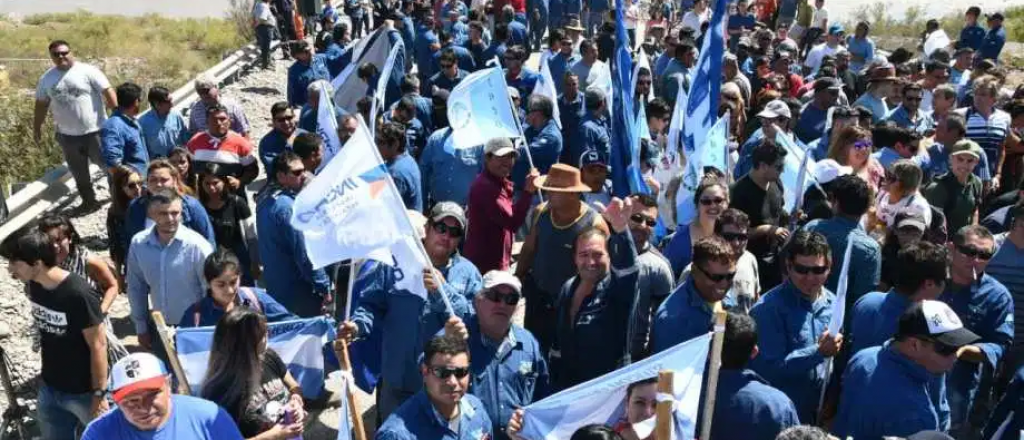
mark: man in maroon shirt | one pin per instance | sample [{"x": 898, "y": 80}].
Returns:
[{"x": 493, "y": 217}]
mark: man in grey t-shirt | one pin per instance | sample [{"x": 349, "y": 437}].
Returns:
[{"x": 75, "y": 94}]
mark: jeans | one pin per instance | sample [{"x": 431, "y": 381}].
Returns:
[
  {"x": 264, "y": 33},
  {"x": 78, "y": 151},
  {"x": 60, "y": 413}
]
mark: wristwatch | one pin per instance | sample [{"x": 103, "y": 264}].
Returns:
[{"x": 99, "y": 393}]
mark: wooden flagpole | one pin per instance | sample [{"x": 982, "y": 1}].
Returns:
[
  {"x": 172, "y": 353},
  {"x": 341, "y": 348},
  {"x": 712, "y": 377},
  {"x": 663, "y": 412}
]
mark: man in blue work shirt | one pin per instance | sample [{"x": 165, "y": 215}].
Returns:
[
  {"x": 811, "y": 124},
  {"x": 897, "y": 143},
  {"x": 442, "y": 410},
  {"x": 592, "y": 131},
  {"x": 121, "y": 139},
  {"x": 509, "y": 371},
  {"x": 747, "y": 406},
  {"x": 499, "y": 44},
  {"x": 308, "y": 67},
  {"x": 689, "y": 311},
  {"x": 973, "y": 34},
  {"x": 448, "y": 172},
  {"x": 475, "y": 44},
  {"x": 463, "y": 56},
  {"x": 793, "y": 323},
  {"x": 449, "y": 75},
  {"x": 994, "y": 40},
  {"x": 308, "y": 115},
  {"x": 336, "y": 56},
  {"x": 909, "y": 114},
  {"x": 595, "y": 308},
  {"x": 424, "y": 46},
  {"x": 678, "y": 71},
  {"x": 287, "y": 272},
  {"x": 162, "y": 129},
  {"x": 570, "y": 106},
  {"x": 517, "y": 75},
  {"x": 279, "y": 139},
  {"x": 410, "y": 87},
  {"x": 987, "y": 308},
  {"x": 391, "y": 142},
  {"x": 1007, "y": 266},
  {"x": 851, "y": 198},
  {"x": 543, "y": 138},
  {"x": 405, "y": 320},
  {"x": 886, "y": 389},
  {"x": 416, "y": 134}
]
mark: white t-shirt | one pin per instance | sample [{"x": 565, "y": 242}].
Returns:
[
  {"x": 814, "y": 57},
  {"x": 76, "y": 98},
  {"x": 915, "y": 203},
  {"x": 263, "y": 14},
  {"x": 819, "y": 18},
  {"x": 693, "y": 20},
  {"x": 632, "y": 13}
]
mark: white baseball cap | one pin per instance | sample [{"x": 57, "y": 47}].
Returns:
[
  {"x": 828, "y": 170},
  {"x": 496, "y": 278},
  {"x": 137, "y": 371}
]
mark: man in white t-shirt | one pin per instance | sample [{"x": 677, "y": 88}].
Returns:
[
  {"x": 829, "y": 47},
  {"x": 820, "y": 18},
  {"x": 902, "y": 193},
  {"x": 75, "y": 93}
]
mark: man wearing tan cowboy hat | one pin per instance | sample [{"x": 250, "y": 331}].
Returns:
[
  {"x": 881, "y": 79},
  {"x": 546, "y": 260}
]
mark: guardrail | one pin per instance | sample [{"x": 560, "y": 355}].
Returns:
[{"x": 56, "y": 184}]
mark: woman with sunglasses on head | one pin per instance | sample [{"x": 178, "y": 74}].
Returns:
[
  {"x": 222, "y": 271},
  {"x": 853, "y": 148},
  {"x": 250, "y": 381},
  {"x": 711, "y": 198},
  {"x": 228, "y": 213},
  {"x": 127, "y": 183}
]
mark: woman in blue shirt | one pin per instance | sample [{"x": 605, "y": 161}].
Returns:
[
  {"x": 711, "y": 199},
  {"x": 223, "y": 273}
]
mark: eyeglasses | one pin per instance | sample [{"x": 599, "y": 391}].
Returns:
[
  {"x": 863, "y": 145},
  {"x": 60, "y": 54},
  {"x": 641, "y": 220},
  {"x": 716, "y": 277},
  {"x": 446, "y": 372},
  {"x": 804, "y": 270},
  {"x": 716, "y": 200},
  {"x": 443, "y": 229},
  {"x": 940, "y": 348},
  {"x": 734, "y": 236},
  {"x": 971, "y": 252},
  {"x": 510, "y": 299}
]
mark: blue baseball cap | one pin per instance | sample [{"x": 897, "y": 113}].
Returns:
[{"x": 836, "y": 29}]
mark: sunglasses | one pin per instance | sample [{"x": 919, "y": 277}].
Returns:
[
  {"x": 297, "y": 172},
  {"x": 912, "y": 98},
  {"x": 734, "y": 236},
  {"x": 717, "y": 200},
  {"x": 446, "y": 372},
  {"x": 641, "y": 220},
  {"x": 804, "y": 270},
  {"x": 940, "y": 348},
  {"x": 443, "y": 229},
  {"x": 716, "y": 277},
  {"x": 863, "y": 145},
  {"x": 970, "y": 252},
  {"x": 510, "y": 299}
]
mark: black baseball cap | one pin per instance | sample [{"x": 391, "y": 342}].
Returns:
[{"x": 936, "y": 321}]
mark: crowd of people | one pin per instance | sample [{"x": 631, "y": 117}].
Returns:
[{"x": 918, "y": 170}]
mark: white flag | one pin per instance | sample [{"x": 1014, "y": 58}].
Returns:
[
  {"x": 327, "y": 126},
  {"x": 351, "y": 208},
  {"x": 546, "y": 87},
  {"x": 479, "y": 109}
]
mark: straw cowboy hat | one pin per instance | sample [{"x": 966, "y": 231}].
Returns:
[
  {"x": 573, "y": 23},
  {"x": 562, "y": 178}
]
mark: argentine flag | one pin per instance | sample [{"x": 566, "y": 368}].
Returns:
[
  {"x": 602, "y": 400},
  {"x": 300, "y": 343}
]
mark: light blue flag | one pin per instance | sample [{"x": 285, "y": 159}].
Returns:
[
  {"x": 713, "y": 153},
  {"x": 797, "y": 172},
  {"x": 344, "y": 424},
  {"x": 602, "y": 400},
  {"x": 300, "y": 343},
  {"x": 705, "y": 88},
  {"x": 386, "y": 75},
  {"x": 327, "y": 126},
  {"x": 642, "y": 129},
  {"x": 675, "y": 126},
  {"x": 479, "y": 109},
  {"x": 351, "y": 209},
  {"x": 546, "y": 86}
]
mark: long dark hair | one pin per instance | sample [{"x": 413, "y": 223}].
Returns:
[
  {"x": 119, "y": 200},
  {"x": 60, "y": 221},
  {"x": 210, "y": 169},
  {"x": 236, "y": 360}
]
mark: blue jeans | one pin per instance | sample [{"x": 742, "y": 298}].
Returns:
[
  {"x": 264, "y": 33},
  {"x": 60, "y": 413}
]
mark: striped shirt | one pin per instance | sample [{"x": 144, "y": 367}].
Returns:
[
  {"x": 1007, "y": 267},
  {"x": 989, "y": 133},
  {"x": 233, "y": 152}
]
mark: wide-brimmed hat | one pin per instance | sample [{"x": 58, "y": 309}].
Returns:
[
  {"x": 562, "y": 178},
  {"x": 882, "y": 73},
  {"x": 573, "y": 23}
]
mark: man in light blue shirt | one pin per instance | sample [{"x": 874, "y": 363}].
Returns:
[
  {"x": 161, "y": 128},
  {"x": 881, "y": 78},
  {"x": 165, "y": 265},
  {"x": 448, "y": 172},
  {"x": 898, "y": 143},
  {"x": 909, "y": 114}
]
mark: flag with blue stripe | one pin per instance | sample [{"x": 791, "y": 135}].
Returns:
[
  {"x": 625, "y": 143},
  {"x": 300, "y": 343},
  {"x": 388, "y": 74},
  {"x": 797, "y": 172},
  {"x": 348, "y": 88},
  {"x": 546, "y": 86},
  {"x": 479, "y": 109},
  {"x": 327, "y": 127},
  {"x": 702, "y": 105},
  {"x": 601, "y": 400}
]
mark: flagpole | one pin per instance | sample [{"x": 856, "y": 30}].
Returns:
[
  {"x": 522, "y": 135},
  {"x": 663, "y": 411},
  {"x": 346, "y": 365},
  {"x": 352, "y": 273},
  {"x": 712, "y": 383}
]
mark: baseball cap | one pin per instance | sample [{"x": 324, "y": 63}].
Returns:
[
  {"x": 935, "y": 320},
  {"x": 205, "y": 81},
  {"x": 826, "y": 83},
  {"x": 911, "y": 220},
  {"x": 448, "y": 209},
  {"x": 828, "y": 170},
  {"x": 775, "y": 109},
  {"x": 496, "y": 278},
  {"x": 966, "y": 146},
  {"x": 137, "y": 371},
  {"x": 592, "y": 157},
  {"x": 499, "y": 146},
  {"x": 836, "y": 29},
  {"x": 996, "y": 16}
]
